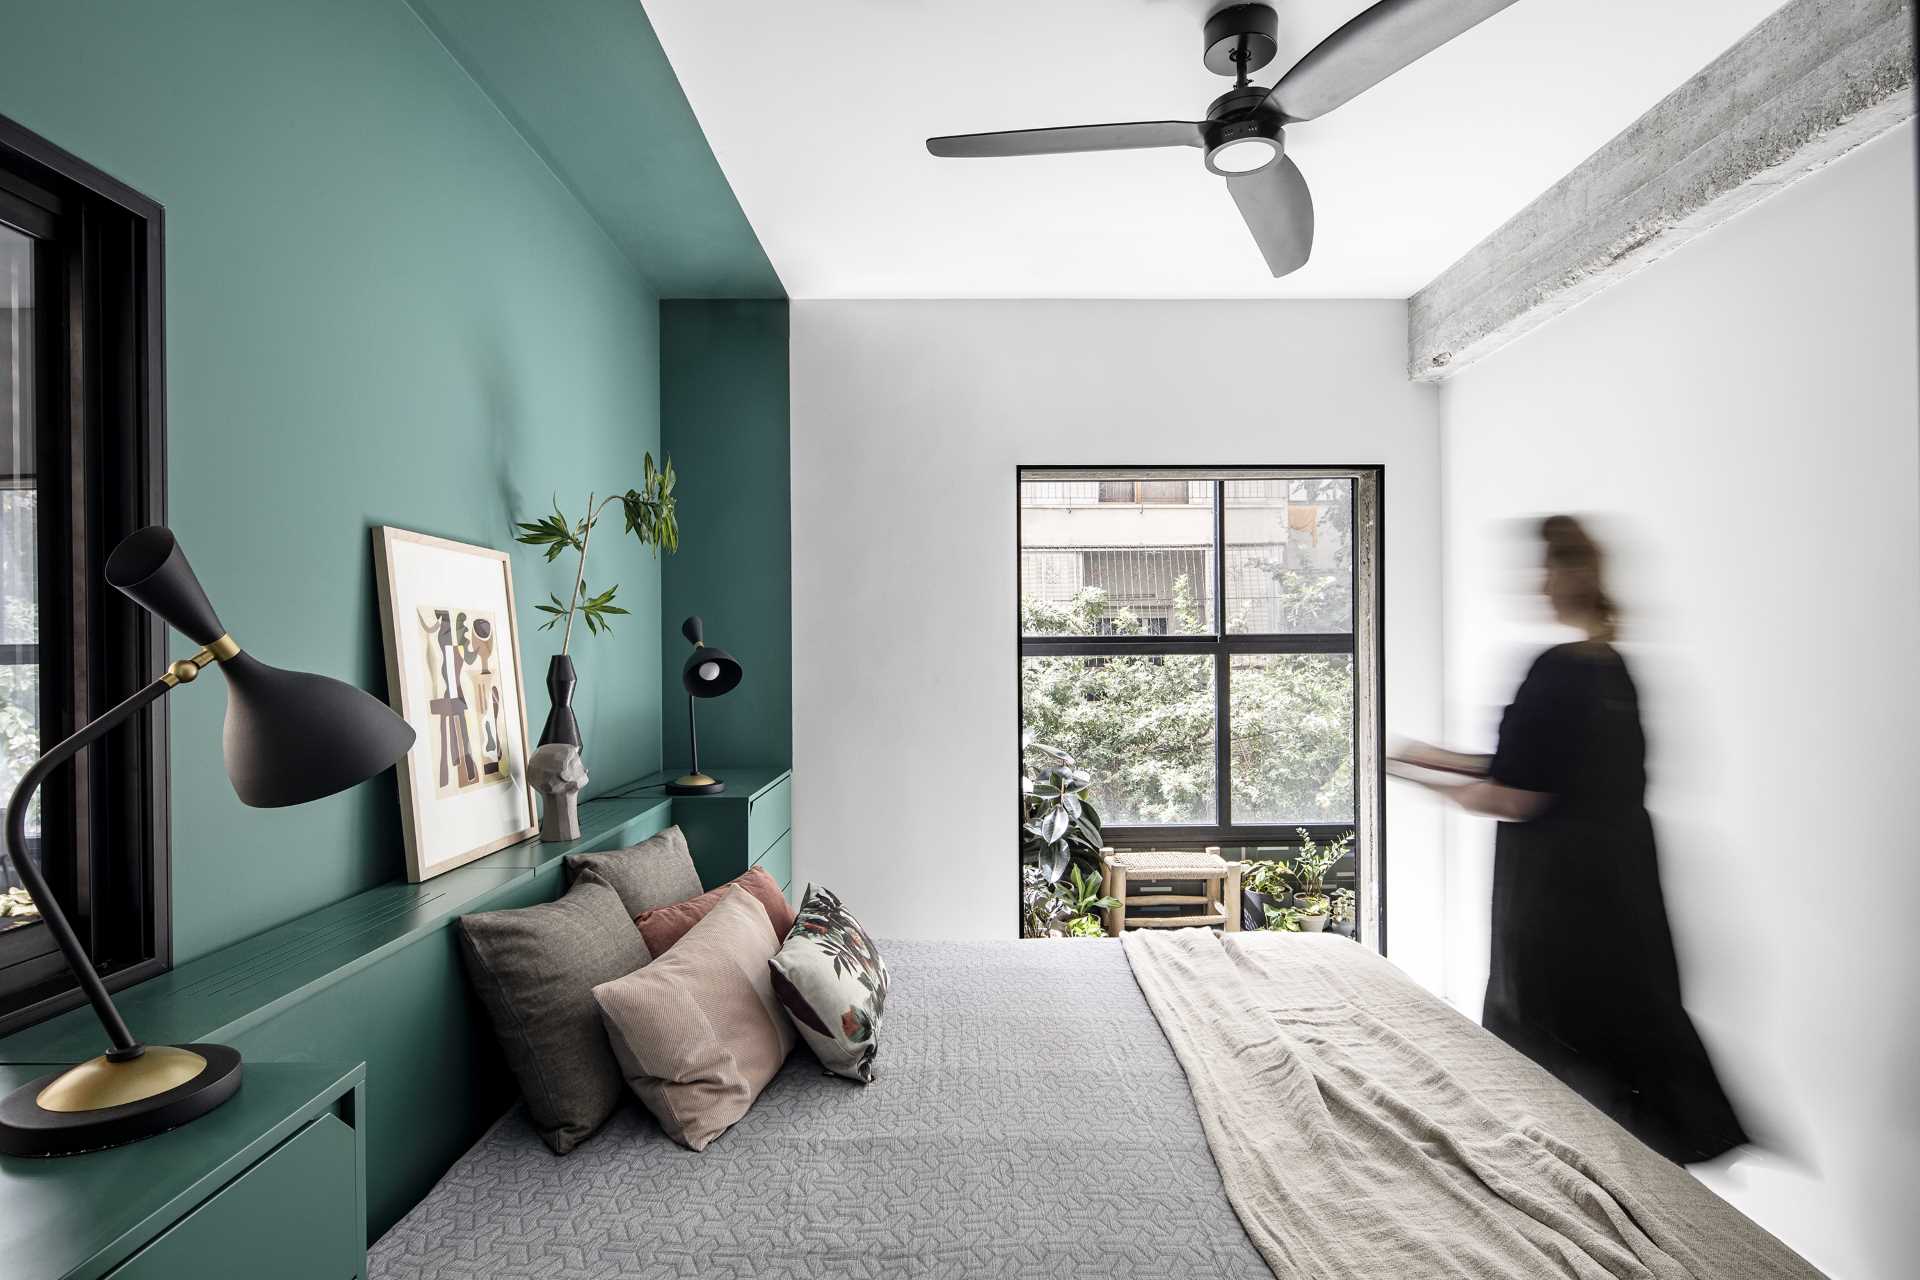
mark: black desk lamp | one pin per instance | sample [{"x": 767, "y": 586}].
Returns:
[
  {"x": 290, "y": 738},
  {"x": 707, "y": 673}
]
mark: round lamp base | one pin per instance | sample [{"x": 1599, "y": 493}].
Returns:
[
  {"x": 695, "y": 784},
  {"x": 103, "y": 1103}
]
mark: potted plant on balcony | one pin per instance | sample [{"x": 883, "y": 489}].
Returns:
[
  {"x": 1341, "y": 915},
  {"x": 1311, "y": 864},
  {"x": 1263, "y": 885},
  {"x": 1080, "y": 893},
  {"x": 1282, "y": 920},
  {"x": 1043, "y": 912},
  {"x": 1058, "y": 822},
  {"x": 1313, "y": 910}
]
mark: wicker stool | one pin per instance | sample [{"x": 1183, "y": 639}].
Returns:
[{"x": 1217, "y": 903}]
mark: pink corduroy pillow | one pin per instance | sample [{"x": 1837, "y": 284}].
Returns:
[{"x": 664, "y": 926}]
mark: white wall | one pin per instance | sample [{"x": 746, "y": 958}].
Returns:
[
  {"x": 1744, "y": 412},
  {"x": 909, "y": 419}
]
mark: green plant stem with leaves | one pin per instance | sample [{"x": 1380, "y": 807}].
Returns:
[
  {"x": 650, "y": 517},
  {"x": 1059, "y": 823},
  {"x": 1283, "y": 919}
]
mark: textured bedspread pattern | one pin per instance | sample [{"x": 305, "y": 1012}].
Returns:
[
  {"x": 1028, "y": 1120},
  {"x": 1365, "y": 1129}
]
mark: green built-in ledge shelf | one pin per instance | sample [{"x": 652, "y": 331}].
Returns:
[
  {"x": 375, "y": 979},
  {"x": 749, "y": 824}
]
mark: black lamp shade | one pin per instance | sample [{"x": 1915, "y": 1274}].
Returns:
[
  {"x": 709, "y": 672},
  {"x": 149, "y": 566},
  {"x": 292, "y": 737}
]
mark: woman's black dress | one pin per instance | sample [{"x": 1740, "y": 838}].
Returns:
[{"x": 1583, "y": 979}]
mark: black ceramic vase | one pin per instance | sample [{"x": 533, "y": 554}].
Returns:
[{"x": 561, "y": 726}]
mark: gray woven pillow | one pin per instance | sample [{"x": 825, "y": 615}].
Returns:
[
  {"x": 535, "y": 969},
  {"x": 657, "y": 872}
]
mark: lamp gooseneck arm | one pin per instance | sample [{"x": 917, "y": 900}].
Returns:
[{"x": 124, "y": 1045}]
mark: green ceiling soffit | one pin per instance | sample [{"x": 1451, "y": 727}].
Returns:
[{"x": 588, "y": 86}]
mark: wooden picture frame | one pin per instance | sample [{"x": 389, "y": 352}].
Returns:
[{"x": 454, "y": 672}]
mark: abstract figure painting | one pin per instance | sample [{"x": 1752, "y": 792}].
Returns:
[
  {"x": 454, "y": 673},
  {"x": 463, "y": 696}
]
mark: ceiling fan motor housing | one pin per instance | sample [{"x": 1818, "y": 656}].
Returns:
[
  {"x": 1234, "y": 135},
  {"x": 1241, "y": 39}
]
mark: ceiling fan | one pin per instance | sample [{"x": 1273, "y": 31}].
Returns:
[{"x": 1244, "y": 134}]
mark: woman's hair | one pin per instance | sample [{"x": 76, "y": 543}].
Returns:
[{"x": 1582, "y": 582}]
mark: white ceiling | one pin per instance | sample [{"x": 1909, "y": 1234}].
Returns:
[{"x": 817, "y": 112}]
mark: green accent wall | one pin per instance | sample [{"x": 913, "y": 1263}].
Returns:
[
  {"x": 724, "y": 419},
  {"x": 588, "y": 85},
  {"x": 382, "y": 307}
]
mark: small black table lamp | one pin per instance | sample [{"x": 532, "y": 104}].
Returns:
[
  {"x": 290, "y": 738},
  {"x": 708, "y": 673}
]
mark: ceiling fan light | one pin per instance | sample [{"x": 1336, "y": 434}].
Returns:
[{"x": 1249, "y": 153}]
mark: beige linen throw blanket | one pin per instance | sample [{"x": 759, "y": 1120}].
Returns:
[{"x": 1364, "y": 1129}]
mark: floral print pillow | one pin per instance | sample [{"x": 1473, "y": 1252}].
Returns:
[{"x": 833, "y": 984}]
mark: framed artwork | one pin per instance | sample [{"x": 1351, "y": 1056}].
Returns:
[{"x": 454, "y": 673}]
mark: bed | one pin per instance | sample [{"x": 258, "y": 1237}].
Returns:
[{"x": 1185, "y": 1104}]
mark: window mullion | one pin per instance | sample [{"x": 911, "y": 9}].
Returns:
[{"x": 1222, "y": 691}]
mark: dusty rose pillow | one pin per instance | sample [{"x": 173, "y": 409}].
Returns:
[
  {"x": 698, "y": 1033},
  {"x": 664, "y": 926}
]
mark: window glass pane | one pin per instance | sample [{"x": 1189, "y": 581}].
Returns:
[
  {"x": 19, "y": 589},
  {"x": 1143, "y": 727},
  {"x": 1289, "y": 556},
  {"x": 1116, "y": 557},
  {"x": 1292, "y": 738}
]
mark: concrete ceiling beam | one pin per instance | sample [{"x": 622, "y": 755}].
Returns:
[{"x": 1815, "y": 80}]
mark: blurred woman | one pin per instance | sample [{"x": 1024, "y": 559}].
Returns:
[{"x": 1583, "y": 978}]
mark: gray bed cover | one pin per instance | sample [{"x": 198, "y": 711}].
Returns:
[{"x": 1029, "y": 1120}]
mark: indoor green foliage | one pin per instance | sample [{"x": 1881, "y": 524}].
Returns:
[
  {"x": 1042, "y": 908},
  {"x": 1058, "y": 820},
  {"x": 1081, "y": 892},
  {"x": 649, "y": 516},
  {"x": 1311, "y": 864},
  {"x": 1342, "y": 905},
  {"x": 1283, "y": 919},
  {"x": 1069, "y": 905},
  {"x": 1268, "y": 877},
  {"x": 1144, "y": 726}
]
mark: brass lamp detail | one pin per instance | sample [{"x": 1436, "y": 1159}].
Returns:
[{"x": 101, "y": 1082}]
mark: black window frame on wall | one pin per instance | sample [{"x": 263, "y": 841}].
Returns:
[
  {"x": 1363, "y": 642},
  {"x": 100, "y": 469}
]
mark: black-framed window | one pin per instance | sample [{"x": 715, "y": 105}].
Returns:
[
  {"x": 82, "y": 464},
  {"x": 1206, "y": 642}
]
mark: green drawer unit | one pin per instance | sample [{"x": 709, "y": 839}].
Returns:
[
  {"x": 736, "y": 829},
  {"x": 778, "y": 863},
  {"x": 270, "y": 1184},
  {"x": 293, "y": 1216}
]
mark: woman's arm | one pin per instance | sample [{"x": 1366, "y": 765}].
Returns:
[
  {"x": 1425, "y": 755},
  {"x": 1492, "y": 799},
  {"x": 1508, "y": 804}
]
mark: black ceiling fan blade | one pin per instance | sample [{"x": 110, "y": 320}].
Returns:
[
  {"x": 1085, "y": 137},
  {"x": 1279, "y": 211},
  {"x": 1378, "y": 42}
]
